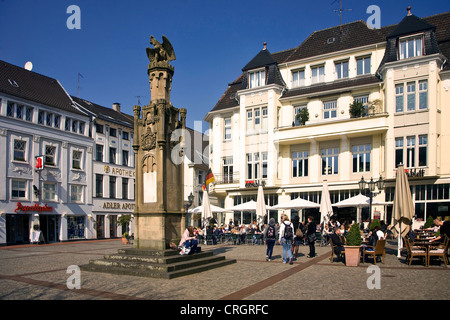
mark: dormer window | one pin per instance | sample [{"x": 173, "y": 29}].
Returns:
[
  {"x": 257, "y": 78},
  {"x": 410, "y": 47}
]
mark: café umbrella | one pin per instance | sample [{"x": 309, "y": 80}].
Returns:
[
  {"x": 326, "y": 210},
  {"x": 403, "y": 210},
  {"x": 260, "y": 206},
  {"x": 359, "y": 201},
  {"x": 207, "y": 213}
]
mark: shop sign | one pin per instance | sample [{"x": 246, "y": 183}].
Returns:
[
  {"x": 118, "y": 205},
  {"x": 120, "y": 171},
  {"x": 35, "y": 207}
]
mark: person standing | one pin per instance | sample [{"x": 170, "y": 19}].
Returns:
[
  {"x": 311, "y": 236},
  {"x": 270, "y": 236},
  {"x": 286, "y": 237},
  {"x": 297, "y": 239}
]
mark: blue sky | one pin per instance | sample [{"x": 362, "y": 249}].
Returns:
[{"x": 213, "y": 40}]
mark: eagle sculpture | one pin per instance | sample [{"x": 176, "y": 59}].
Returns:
[{"x": 160, "y": 52}]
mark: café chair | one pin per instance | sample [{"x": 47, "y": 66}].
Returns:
[
  {"x": 377, "y": 251},
  {"x": 439, "y": 251},
  {"x": 415, "y": 252}
]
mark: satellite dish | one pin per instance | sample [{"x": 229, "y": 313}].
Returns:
[{"x": 28, "y": 66}]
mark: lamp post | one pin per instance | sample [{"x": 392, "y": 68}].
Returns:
[{"x": 371, "y": 186}]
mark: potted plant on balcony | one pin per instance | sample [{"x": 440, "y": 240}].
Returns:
[
  {"x": 302, "y": 116},
  {"x": 353, "y": 246},
  {"x": 357, "y": 109}
]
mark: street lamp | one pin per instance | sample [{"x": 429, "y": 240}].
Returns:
[
  {"x": 371, "y": 185},
  {"x": 188, "y": 205}
]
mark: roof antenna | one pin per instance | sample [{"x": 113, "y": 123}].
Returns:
[
  {"x": 78, "y": 85},
  {"x": 340, "y": 12},
  {"x": 139, "y": 99}
]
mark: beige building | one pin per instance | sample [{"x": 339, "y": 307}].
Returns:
[{"x": 400, "y": 76}]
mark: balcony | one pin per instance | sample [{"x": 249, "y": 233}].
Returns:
[{"x": 329, "y": 129}]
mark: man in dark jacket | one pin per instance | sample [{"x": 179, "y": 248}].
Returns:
[{"x": 336, "y": 241}]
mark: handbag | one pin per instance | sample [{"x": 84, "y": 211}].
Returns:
[
  {"x": 299, "y": 233},
  {"x": 312, "y": 237}
]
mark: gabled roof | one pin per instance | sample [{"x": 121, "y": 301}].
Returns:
[
  {"x": 410, "y": 24},
  {"x": 228, "y": 99},
  {"x": 262, "y": 59},
  {"x": 106, "y": 114},
  {"x": 32, "y": 86}
]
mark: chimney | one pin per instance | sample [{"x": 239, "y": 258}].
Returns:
[
  {"x": 116, "y": 106},
  {"x": 409, "y": 10},
  {"x": 265, "y": 46}
]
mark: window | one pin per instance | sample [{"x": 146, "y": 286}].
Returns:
[
  {"x": 18, "y": 189},
  {"x": 300, "y": 164},
  {"x": 41, "y": 117},
  {"x": 74, "y": 126},
  {"x": 341, "y": 69},
  {"x": 423, "y": 145},
  {"x": 125, "y": 157},
  {"x": 318, "y": 74},
  {"x": 76, "y": 159},
  {"x": 29, "y": 114},
  {"x": 264, "y": 165},
  {"x": 67, "y": 124},
  {"x": 228, "y": 170},
  {"x": 363, "y": 66},
  {"x": 98, "y": 128},
  {"x": 49, "y": 119},
  {"x": 50, "y": 154},
  {"x": 410, "y": 151},
  {"x": 98, "y": 152},
  {"x": 49, "y": 191},
  {"x": 76, "y": 193},
  {"x": 10, "y": 109},
  {"x": 81, "y": 128},
  {"x": 256, "y": 161},
  {"x": 112, "y": 187},
  {"x": 227, "y": 128},
  {"x": 330, "y": 109},
  {"x": 113, "y": 132},
  {"x": 410, "y": 47},
  {"x": 112, "y": 155},
  {"x": 56, "y": 121},
  {"x": 398, "y": 151},
  {"x": 330, "y": 161},
  {"x": 297, "y": 119},
  {"x": 19, "y": 150},
  {"x": 399, "y": 98},
  {"x": 423, "y": 94},
  {"x": 125, "y": 135},
  {"x": 361, "y": 158},
  {"x": 257, "y": 78},
  {"x": 19, "y": 112},
  {"x": 298, "y": 78},
  {"x": 256, "y": 123},
  {"x": 411, "y": 96},
  {"x": 99, "y": 185},
  {"x": 124, "y": 188}
]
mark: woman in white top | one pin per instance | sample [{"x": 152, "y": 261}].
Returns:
[{"x": 286, "y": 236}]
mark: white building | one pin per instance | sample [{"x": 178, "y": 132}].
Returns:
[
  {"x": 400, "y": 75},
  {"x": 113, "y": 173},
  {"x": 39, "y": 118}
]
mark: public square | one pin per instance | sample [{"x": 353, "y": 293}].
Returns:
[{"x": 40, "y": 272}]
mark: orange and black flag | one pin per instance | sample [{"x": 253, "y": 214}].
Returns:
[{"x": 209, "y": 177}]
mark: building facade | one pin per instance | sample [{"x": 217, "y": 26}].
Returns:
[
  {"x": 349, "y": 102},
  {"x": 87, "y": 179},
  {"x": 38, "y": 118},
  {"x": 113, "y": 173}
]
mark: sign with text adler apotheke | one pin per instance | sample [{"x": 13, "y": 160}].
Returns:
[{"x": 33, "y": 208}]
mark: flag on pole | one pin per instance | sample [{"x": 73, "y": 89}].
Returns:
[
  {"x": 209, "y": 177},
  {"x": 203, "y": 187}
]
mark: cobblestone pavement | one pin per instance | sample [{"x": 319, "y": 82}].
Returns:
[{"x": 39, "y": 272}]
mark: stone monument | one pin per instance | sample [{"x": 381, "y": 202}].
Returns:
[
  {"x": 159, "y": 214},
  {"x": 159, "y": 210}
]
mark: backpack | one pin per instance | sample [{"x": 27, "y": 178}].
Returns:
[
  {"x": 288, "y": 233},
  {"x": 271, "y": 232}
]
